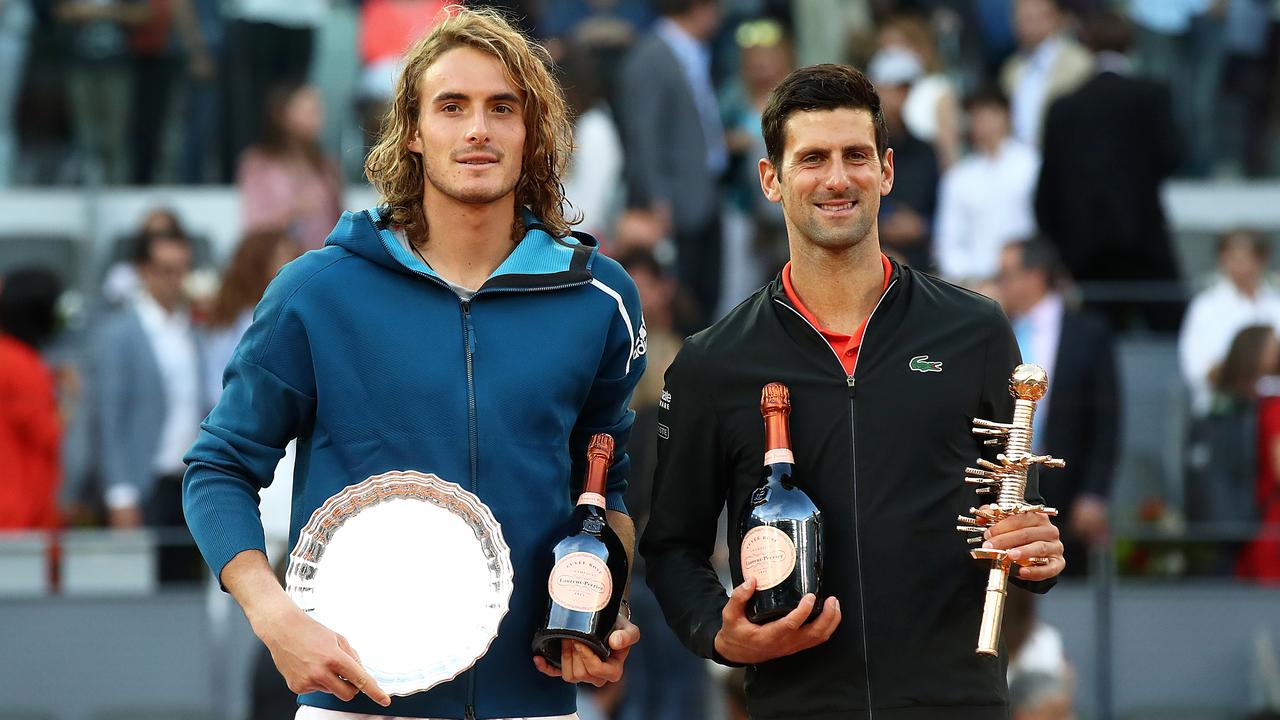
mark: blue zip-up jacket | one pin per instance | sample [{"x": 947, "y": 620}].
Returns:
[{"x": 374, "y": 364}]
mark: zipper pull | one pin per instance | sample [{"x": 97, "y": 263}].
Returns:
[
  {"x": 471, "y": 328},
  {"x": 471, "y": 712},
  {"x": 850, "y": 382}
]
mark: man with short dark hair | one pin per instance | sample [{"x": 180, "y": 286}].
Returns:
[
  {"x": 1078, "y": 418},
  {"x": 149, "y": 398},
  {"x": 880, "y": 442},
  {"x": 675, "y": 144}
]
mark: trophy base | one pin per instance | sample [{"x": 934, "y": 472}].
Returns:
[{"x": 546, "y": 643}]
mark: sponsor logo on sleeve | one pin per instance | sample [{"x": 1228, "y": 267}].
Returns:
[{"x": 642, "y": 341}]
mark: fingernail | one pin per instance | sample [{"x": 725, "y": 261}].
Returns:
[
  {"x": 1014, "y": 554},
  {"x": 987, "y": 544},
  {"x": 986, "y": 534},
  {"x": 835, "y": 603}
]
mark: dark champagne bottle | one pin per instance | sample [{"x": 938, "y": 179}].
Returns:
[
  {"x": 590, "y": 571},
  {"x": 781, "y": 528}
]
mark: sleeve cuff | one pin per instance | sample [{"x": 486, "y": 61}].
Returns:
[
  {"x": 706, "y": 636},
  {"x": 1038, "y": 587},
  {"x": 614, "y": 500}
]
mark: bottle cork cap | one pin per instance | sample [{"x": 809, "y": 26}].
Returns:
[
  {"x": 601, "y": 446},
  {"x": 775, "y": 398}
]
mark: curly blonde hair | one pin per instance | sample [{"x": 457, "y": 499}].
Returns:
[{"x": 397, "y": 173}]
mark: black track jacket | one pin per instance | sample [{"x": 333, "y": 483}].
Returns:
[{"x": 882, "y": 454}]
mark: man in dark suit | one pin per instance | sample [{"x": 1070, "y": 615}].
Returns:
[
  {"x": 674, "y": 143},
  {"x": 1107, "y": 148},
  {"x": 1077, "y": 419}
]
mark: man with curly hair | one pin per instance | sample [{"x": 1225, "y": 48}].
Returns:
[{"x": 459, "y": 328}]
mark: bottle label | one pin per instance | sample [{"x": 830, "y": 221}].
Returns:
[
  {"x": 780, "y": 455},
  {"x": 590, "y": 498},
  {"x": 768, "y": 555},
  {"x": 581, "y": 582}
]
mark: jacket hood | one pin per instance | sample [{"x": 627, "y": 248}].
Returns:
[{"x": 538, "y": 260}]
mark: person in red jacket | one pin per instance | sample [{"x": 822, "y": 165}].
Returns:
[{"x": 30, "y": 429}]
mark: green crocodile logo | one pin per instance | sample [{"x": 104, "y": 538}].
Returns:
[{"x": 922, "y": 363}]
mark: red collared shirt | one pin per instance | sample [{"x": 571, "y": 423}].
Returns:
[{"x": 845, "y": 346}]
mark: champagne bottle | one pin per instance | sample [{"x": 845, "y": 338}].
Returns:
[
  {"x": 781, "y": 528},
  {"x": 590, "y": 572}
]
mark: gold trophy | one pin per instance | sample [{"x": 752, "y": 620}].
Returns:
[{"x": 1007, "y": 478}]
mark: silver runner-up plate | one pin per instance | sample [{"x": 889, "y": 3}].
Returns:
[{"x": 412, "y": 570}]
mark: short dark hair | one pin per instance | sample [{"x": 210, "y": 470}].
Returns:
[
  {"x": 985, "y": 96},
  {"x": 1106, "y": 31},
  {"x": 676, "y": 8},
  {"x": 642, "y": 260},
  {"x": 1257, "y": 242},
  {"x": 820, "y": 87},
  {"x": 1039, "y": 254},
  {"x": 28, "y": 298},
  {"x": 144, "y": 244}
]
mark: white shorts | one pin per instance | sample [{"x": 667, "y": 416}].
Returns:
[{"x": 306, "y": 712}]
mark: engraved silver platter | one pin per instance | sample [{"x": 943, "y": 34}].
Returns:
[{"x": 412, "y": 570}]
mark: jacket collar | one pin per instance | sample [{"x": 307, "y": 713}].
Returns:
[
  {"x": 539, "y": 261},
  {"x": 897, "y": 272}
]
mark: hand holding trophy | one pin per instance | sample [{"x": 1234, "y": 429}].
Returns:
[{"x": 1007, "y": 479}]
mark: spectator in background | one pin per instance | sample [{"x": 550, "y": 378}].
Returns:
[
  {"x": 663, "y": 679},
  {"x": 99, "y": 82},
  {"x": 593, "y": 181},
  {"x": 120, "y": 282},
  {"x": 1049, "y": 65},
  {"x": 1248, "y": 77},
  {"x": 200, "y": 22},
  {"x": 985, "y": 201},
  {"x": 286, "y": 181},
  {"x": 662, "y": 342},
  {"x": 932, "y": 109},
  {"x": 1239, "y": 296},
  {"x": 675, "y": 144},
  {"x": 1260, "y": 558},
  {"x": 1231, "y": 451},
  {"x": 150, "y": 397},
  {"x": 154, "y": 66},
  {"x": 1108, "y": 147},
  {"x": 906, "y": 216},
  {"x": 1180, "y": 42},
  {"x": 766, "y": 58},
  {"x": 16, "y": 19},
  {"x": 257, "y": 259},
  {"x": 1078, "y": 417},
  {"x": 269, "y": 45},
  {"x": 30, "y": 426}
]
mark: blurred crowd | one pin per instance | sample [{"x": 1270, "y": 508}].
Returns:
[{"x": 1030, "y": 142}]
